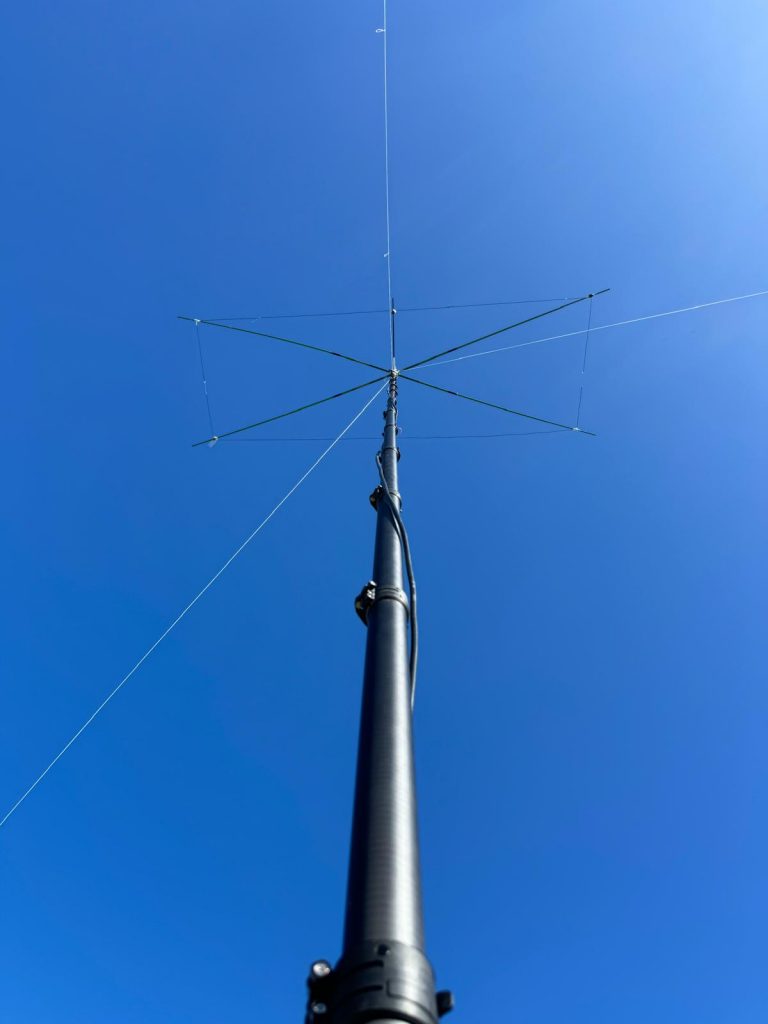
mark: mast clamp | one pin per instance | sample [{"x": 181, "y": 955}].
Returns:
[
  {"x": 370, "y": 595},
  {"x": 375, "y": 496}
]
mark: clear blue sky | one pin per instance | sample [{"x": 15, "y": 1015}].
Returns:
[{"x": 592, "y": 707}]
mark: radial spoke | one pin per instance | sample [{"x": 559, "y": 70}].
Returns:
[
  {"x": 287, "y": 341},
  {"x": 291, "y": 412},
  {"x": 509, "y": 327},
  {"x": 501, "y": 408}
]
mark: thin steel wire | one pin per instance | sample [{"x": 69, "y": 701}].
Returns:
[
  {"x": 191, "y": 604},
  {"x": 205, "y": 381},
  {"x": 400, "y": 309},
  {"x": 295, "y": 316},
  {"x": 479, "y": 305},
  {"x": 601, "y": 327},
  {"x": 584, "y": 365},
  {"x": 407, "y": 437}
]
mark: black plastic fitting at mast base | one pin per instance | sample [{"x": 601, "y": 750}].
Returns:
[{"x": 376, "y": 982}]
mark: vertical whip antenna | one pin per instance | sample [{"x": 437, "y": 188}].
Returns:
[{"x": 388, "y": 254}]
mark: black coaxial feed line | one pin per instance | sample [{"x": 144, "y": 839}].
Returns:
[{"x": 402, "y": 533}]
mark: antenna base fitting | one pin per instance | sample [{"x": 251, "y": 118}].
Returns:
[{"x": 376, "y": 981}]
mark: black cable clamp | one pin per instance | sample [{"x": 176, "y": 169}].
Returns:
[{"x": 365, "y": 600}]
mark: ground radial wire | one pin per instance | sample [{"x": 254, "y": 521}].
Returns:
[{"x": 191, "y": 604}]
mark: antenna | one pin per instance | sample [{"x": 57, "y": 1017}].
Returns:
[{"x": 383, "y": 974}]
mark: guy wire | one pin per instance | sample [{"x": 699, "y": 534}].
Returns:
[
  {"x": 600, "y": 327},
  {"x": 191, "y": 604}
]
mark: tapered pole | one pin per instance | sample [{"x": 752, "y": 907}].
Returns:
[
  {"x": 384, "y": 886},
  {"x": 383, "y": 975}
]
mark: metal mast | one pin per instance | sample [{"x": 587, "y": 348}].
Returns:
[{"x": 383, "y": 975}]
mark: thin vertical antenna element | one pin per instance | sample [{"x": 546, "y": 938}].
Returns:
[
  {"x": 205, "y": 380},
  {"x": 388, "y": 255},
  {"x": 584, "y": 361}
]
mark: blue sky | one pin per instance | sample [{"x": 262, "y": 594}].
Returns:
[{"x": 592, "y": 707}]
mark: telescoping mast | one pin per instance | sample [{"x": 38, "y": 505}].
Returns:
[{"x": 383, "y": 974}]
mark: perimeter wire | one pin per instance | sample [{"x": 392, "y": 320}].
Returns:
[
  {"x": 191, "y": 604},
  {"x": 400, "y": 309},
  {"x": 408, "y": 437},
  {"x": 205, "y": 381},
  {"x": 584, "y": 364}
]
